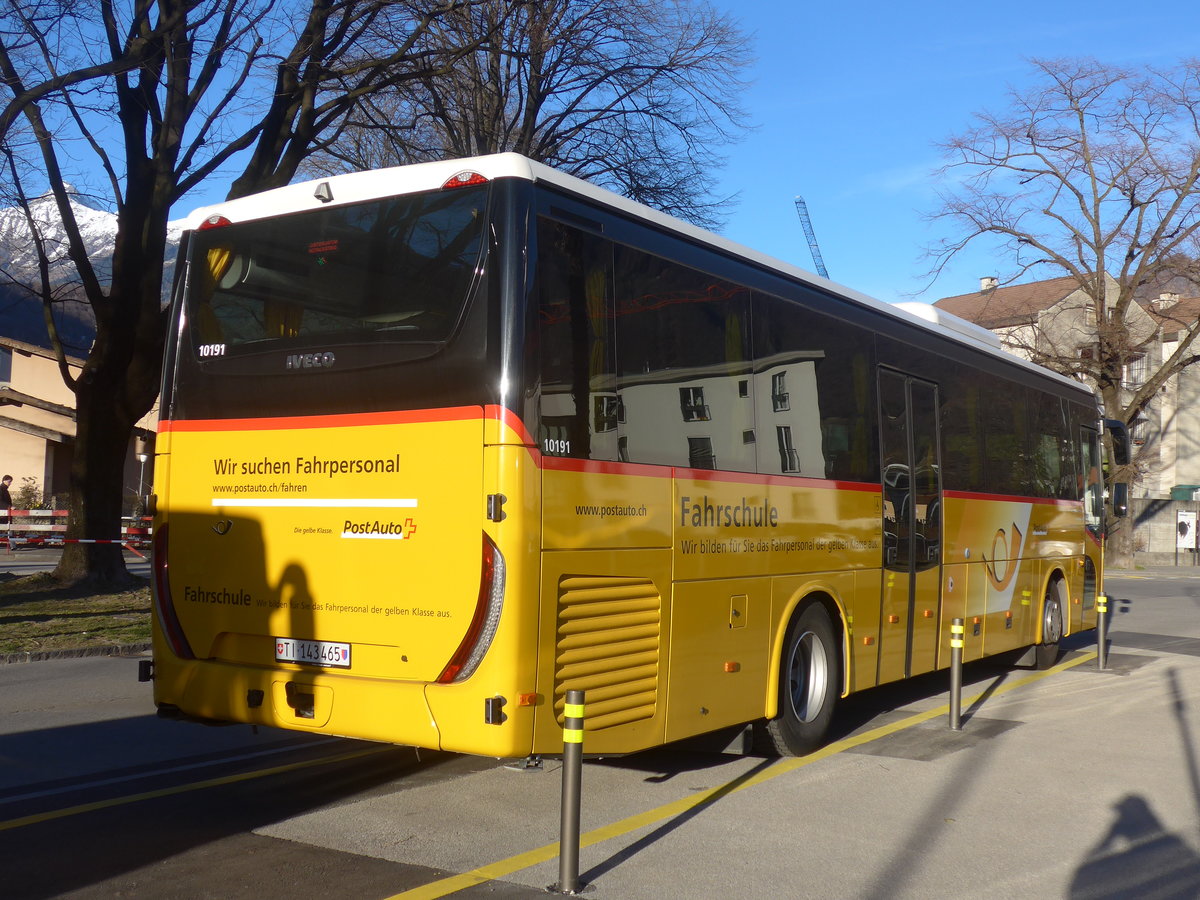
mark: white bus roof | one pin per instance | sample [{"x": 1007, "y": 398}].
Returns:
[{"x": 356, "y": 187}]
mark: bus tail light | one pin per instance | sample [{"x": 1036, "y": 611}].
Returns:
[
  {"x": 478, "y": 639},
  {"x": 164, "y": 605},
  {"x": 465, "y": 178},
  {"x": 214, "y": 222}
]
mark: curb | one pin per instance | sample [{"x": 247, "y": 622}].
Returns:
[{"x": 79, "y": 653}]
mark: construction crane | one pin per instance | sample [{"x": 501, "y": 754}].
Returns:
[{"x": 806, "y": 223}]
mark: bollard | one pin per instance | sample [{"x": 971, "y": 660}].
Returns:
[
  {"x": 1101, "y": 632},
  {"x": 568, "y": 836},
  {"x": 956, "y": 653}
]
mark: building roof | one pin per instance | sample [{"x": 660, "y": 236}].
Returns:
[
  {"x": 1016, "y": 304},
  {"x": 9, "y": 397},
  {"x": 36, "y": 350},
  {"x": 1176, "y": 317},
  {"x": 1019, "y": 304}
]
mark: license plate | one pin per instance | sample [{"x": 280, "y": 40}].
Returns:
[{"x": 313, "y": 653}]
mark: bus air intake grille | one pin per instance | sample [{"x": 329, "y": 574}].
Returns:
[{"x": 608, "y": 644}]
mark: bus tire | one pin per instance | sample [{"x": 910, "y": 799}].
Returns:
[
  {"x": 809, "y": 673},
  {"x": 1046, "y": 653}
]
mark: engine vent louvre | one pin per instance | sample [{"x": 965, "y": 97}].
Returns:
[{"x": 608, "y": 645}]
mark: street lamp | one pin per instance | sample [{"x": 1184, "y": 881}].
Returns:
[{"x": 141, "y": 448}]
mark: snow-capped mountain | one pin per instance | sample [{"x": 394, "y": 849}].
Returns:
[
  {"x": 20, "y": 311},
  {"x": 18, "y": 253}
]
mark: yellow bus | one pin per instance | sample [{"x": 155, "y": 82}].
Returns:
[{"x": 442, "y": 442}]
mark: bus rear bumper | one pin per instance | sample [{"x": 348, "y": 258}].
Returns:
[
  {"x": 373, "y": 709},
  {"x": 336, "y": 703}
]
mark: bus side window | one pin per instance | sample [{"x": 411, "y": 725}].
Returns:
[
  {"x": 580, "y": 407},
  {"x": 815, "y": 381},
  {"x": 684, "y": 365}
]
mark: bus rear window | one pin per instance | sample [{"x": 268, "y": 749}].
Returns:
[{"x": 397, "y": 269}]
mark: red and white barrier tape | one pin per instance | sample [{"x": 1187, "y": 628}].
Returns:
[{"x": 24, "y": 533}]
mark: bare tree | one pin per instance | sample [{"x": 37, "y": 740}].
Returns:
[
  {"x": 637, "y": 97},
  {"x": 1092, "y": 174},
  {"x": 145, "y": 101}
]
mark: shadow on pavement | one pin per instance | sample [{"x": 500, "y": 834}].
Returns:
[{"x": 1137, "y": 857}]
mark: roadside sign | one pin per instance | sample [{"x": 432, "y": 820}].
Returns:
[{"x": 1185, "y": 529}]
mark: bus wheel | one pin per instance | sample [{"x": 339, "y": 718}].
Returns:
[
  {"x": 808, "y": 685},
  {"x": 1046, "y": 653}
]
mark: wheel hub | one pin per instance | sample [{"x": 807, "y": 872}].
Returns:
[{"x": 808, "y": 671}]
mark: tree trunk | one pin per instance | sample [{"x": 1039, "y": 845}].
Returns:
[
  {"x": 1118, "y": 547},
  {"x": 102, "y": 439}
]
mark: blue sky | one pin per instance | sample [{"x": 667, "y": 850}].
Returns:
[{"x": 849, "y": 100}]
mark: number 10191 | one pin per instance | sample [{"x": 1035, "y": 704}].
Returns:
[{"x": 557, "y": 446}]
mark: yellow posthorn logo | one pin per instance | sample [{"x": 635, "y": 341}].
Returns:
[{"x": 1001, "y": 581}]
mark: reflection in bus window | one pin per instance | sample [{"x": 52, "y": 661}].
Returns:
[
  {"x": 814, "y": 376},
  {"x": 398, "y": 269},
  {"x": 683, "y": 357},
  {"x": 575, "y": 325}
]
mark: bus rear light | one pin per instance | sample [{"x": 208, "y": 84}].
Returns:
[
  {"x": 164, "y": 606},
  {"x": 464, "y": 179},
  {"x": 214, "y": 222},
  {"x": 478, "y": 639}
]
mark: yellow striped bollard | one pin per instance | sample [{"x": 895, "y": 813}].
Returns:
[
  {"x": 1101, "y": 632},
  {"x": 572, "y": 778},
  {"x": 957, "y": 633}
]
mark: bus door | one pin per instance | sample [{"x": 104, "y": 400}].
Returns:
[
  {"x": 1091, "y": 492},
  {"x": 912, "y": 525}
]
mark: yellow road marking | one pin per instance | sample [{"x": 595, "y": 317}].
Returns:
[
  {"x": 184, "y": 788},
  {"x": 545, "y": 853},
  {"x": 533, "y": 857}
]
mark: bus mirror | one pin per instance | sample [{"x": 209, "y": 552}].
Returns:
[
  {"x": 1120, "y": 499},
  {"x": 1120, "y": 440}
]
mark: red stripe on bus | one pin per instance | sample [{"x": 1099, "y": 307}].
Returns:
[
  {"x": 603, "y": 467},
  {"x": 1009, "y": 498},
  {"x": 511, "y": 420}
]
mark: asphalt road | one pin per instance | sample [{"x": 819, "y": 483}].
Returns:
[{"x": 1076, "y": 784}]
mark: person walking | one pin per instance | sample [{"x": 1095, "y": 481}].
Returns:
[{"x": 5, "y": 504}]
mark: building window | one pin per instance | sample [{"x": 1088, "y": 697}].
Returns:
[
  {"x": 1136, "y": 371},
  {"x": 1139, "y": 429},
  {"x": 606, "y": 413},
  {"x": 691, "y": 402},
  {"x": 700, "y": 453},
  {"x": 779, "y": 394},
  {"x": 5, "y": 365},
  {"x": 789, "y": 459}
]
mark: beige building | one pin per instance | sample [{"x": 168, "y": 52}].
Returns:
[
  {"x": 1054, "y": 318},
  {"x": 37, "y": 426}
]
